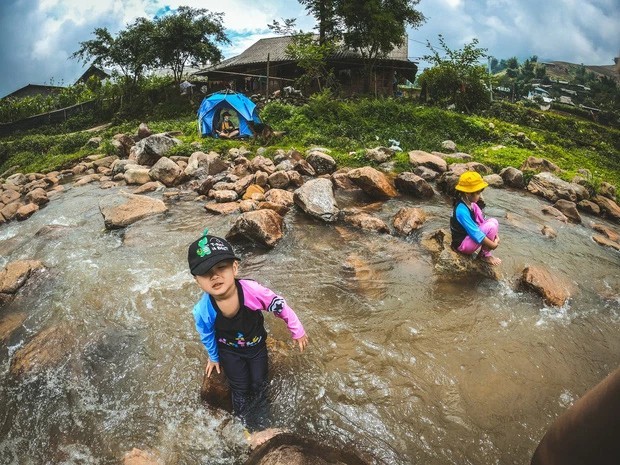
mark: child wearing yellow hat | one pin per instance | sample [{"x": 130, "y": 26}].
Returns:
[{"x": 470, "y": 229}]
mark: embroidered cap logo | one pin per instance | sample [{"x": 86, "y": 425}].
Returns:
[{"x": 203, "y": 245}]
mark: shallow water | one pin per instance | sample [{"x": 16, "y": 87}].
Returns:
[{"x": 405, "y": 365}]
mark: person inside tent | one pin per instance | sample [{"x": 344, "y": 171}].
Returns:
[{"x": 227, "y": 129}]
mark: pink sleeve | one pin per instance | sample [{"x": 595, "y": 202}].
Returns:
[
  {"x": 257, "y": 297},
  {"x": 477, "y": 213}
]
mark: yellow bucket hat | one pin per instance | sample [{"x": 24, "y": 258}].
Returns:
[{"x": 471, "y": 181}]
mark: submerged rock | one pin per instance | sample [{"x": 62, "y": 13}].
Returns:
[
  {"x": 554, "y": 291},
  {"x": 374, "y": 183},
  {"x": 408, "y": 220},
  {"x": 141, "y": 457},
  {"x": 367, "y": 222},
  {"x": 47, "y": 349},
  {"x": 123, "y": 209}
]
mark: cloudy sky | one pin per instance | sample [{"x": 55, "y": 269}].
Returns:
[{"x": 37, "y": 36}]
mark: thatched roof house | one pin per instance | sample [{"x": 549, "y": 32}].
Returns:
[{"x": 248, "y": 71}]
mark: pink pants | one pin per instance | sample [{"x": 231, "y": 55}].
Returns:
[{"x": 469, "y": 246}]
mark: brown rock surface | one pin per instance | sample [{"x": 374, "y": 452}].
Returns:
[
  {"x": 261, "y": 226},
  {"x": 554, "y": 291}
]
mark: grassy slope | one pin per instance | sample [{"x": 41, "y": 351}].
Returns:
[{"x": 348, "y": 127}]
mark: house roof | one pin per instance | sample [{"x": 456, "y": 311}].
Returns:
[
  {"x": 275, "y": 48},
  {"x": 34, "y": 89}
]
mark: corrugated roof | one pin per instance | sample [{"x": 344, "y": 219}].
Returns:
[{"x": 275, "y": 47}]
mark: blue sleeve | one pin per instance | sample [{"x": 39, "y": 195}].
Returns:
[
  {"x": 206, "y": 328},
  {"x": 463, "y": 216}
]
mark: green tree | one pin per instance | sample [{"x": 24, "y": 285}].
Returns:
[
  {"x": 456, "y": 77},
  {"x": 324, "y": 11},
  {"x": 189, "y": 36}
]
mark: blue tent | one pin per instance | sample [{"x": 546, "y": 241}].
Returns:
[{"x": 214, "y": 104}]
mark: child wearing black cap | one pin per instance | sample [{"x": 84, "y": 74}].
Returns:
[{"x": 230, "y": 322}]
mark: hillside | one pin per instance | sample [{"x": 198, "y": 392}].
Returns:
[{"x": 566, "y": 71}]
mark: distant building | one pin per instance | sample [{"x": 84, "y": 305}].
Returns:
[
  {"x": 566, "y": 100},
  {"x": 93, "y": 70},
  {"x": 34, "y": 89}
]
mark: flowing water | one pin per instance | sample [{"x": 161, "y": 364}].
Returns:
[{"x": 405, "y": 365}]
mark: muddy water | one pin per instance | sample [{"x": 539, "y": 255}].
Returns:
[{"x": 406, "y": 365}]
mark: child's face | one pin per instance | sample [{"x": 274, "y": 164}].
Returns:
[{"x": 219, "y": 280}]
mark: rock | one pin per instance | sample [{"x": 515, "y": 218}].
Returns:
[
  {"x": 449, "y": 262},
  {"x": 549, "y": 232},
  {"x": 602, "y": 240},
  {"x": 152, "y": 148},
  {"x": 260, "y": 163},
  {"x": 223, "y": 196},
  {"x": 512, "y": 177},
  {"x": 316, "y": 198},
  {"x": 291, "y": 449},
  {"x": 166, "y": 171},
  {"x": 494, "y": 180},
  {"x": 278, "y": 180},
  {"x": 242, "y": 185},
  {"x": 421, "y": 158},
  {"x": 261, "y": 178},
  {"x": 263, "y": 227},
  {"x": 569, "y": 209},
  {"x": 448, "y": 145},
  {"x": 280, "y": 197},
  {"x": 124, "y": 144},
  {"x": 250, "y": 205},
  {"x": 553, "y": 188},
  {"x": 366, "y": 222},
  {"x": 120, "y": 166},
  {"x": 120, "y": 210},
  {"x": 426, "y": 173},
  {"x": 8, "y": 196},
  {"x": 447, "y": 182},
  {"x": 149, "y": 187},
  {"x": 86, "y": 180},
  {"x": 321, "y": 162},
  {"x": 607, "y": 232},
  {"x": 141, "y": 457},
  {"x": 276, "y": 207},
  {"x": 137, "y": 176},
  {"x": 17, "y": 179},
  {"x": 108, "y": 184},
  {"x": 26, "y": 211},
  {"x": 222, "y": 208},
  {"x": 202, "y": 164},
  {"x": 47, "y": 349},
  {"x": 460, "y": 168},
  {"x": 251, "y": 190},
  {"x": 15, "y": 274},
  {"x": 412, "y": 184},
  {"x": 557, "y": 214},
  {"x": 10, "y": 323},
  {"x": 554, "y": 291},
  {"x": 540, "y": 164},
  {"x": 408, "y": 220},
  {"x": 373, "y": 182},
  {"x": 379, "y": 154},
  {"x": 589, "y": 207},
  {"x": 609, "y": 207},
  {"x": 144, "y": 131},
  {"x": 105, "y": 162},
  {"x": 304, "y": 168},
  {"x": 9, "y": 211},
  {"x": 341, "y": 180},
  {"x": 607, "y": 190},
  {"x": 215, "y": 392}
]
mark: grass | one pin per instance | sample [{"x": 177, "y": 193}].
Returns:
[{"x": 346, "y": 128}]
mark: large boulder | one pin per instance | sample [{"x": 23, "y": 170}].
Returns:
[
  {"x": 137, "y": 175},
  {"x": 422, "y": 158},
  {"x": 540, "y": 164},
  {"x": 202, "y": 164},
  {"x": 26, "y": 211},
  {"x": 316, "y": 198},
  {"x": 123, "y": 209},
  {"x": 222, "y": 208},
  {"x": 8, "y": 196},
  {"x": 105, "y": 162},
  {"x": 280, "y": 196},
  {"x": 554, "y": 291},
  {"x": 408, "y": 219},
  {"x": 412, "y": 184},
  {"x": 607, "y": 190},
  {"x": 152, "y": 148},
  {"x": 278, "y": 180},
  {"x": 261, "y": 163},
  {"x": 609, "y": 207},
  {"x": 374, "y": 183},
  {"x": 15, "y": 274},
  {"x": 321, "y": 162},
  {"x": 553, "y": 188},
  {"x": 263, "y": 227},
  {"x": 512, "y": 177},
  {"x": 557, "y": 214},
  {"x": 166, "y": 171},
  {"x": 37, "y": 196},
  {"x": 569, "y": 209}
]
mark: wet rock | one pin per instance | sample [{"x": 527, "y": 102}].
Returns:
[
  {"x": 540, "y": 164},
  {"x": 223, "y": 196},
  {"x": 202, "y": 164},
  {"x": 222, "y": 208},
  {"x": 9, "y": 196},
  {"x": 421, "y": 158},
  {"x": 15, "y": 274},
  {"x": 609, "y": 207},
  {"x": 26, "y": 211},
  {"x": 280, "y": 197},
  {"x": 141, "y": 457},
  {"x": 426, "y": 173},
  {"x": 366, "y": 222},
  {"x": 549, "y": 232},
  {"x": 448, "y": 145},
  {"x": 149, "y": 187},
  {"x": 86, "y": 180},
  {"x": 607, "y": 190},
  {"x": 554, "y": 291},
  {"x": 605, "y": 241},
  {"x": 494, "y": 180},
  {"x": 263, "y": 227},
  {"x": 362, "y": 277},
  {"x": 374, "y": 183},
  {"x": 291, "y": 449},
  {"x": 379, "y": 154},
  {"x": 607, "y": 232},
  {"x": 53, "y": 231},
  {"x": 412, "y": 184},
  {"x": 249, "y": 205},
  {"x": 512, "y": 177},
  {"x": 166, "y": 171},
  {"x": 569, "y": 209},
  {"x": 260, "y": 163},
  {"x": 137, "y": 176},
  {"x": 316, "y": 198},
  {"x": 553, "y": 188},
  {"x": 9, "y": 323},
  {"x": 408, "y": 219},
  {"x": 278, "y": 180},
  {"x": 321, "y": 162},
  {"x": 557, "y": 214},
  {"x": 47, "y": 349},
  {"x": 448, "y": 262},
  {"x": 123, "y": 209},
  {"x": 589, "y": 207},
  {"x": 341, "y": 180},
  {"x": 251, "y": 190},
  {"x": 9, "y": 211}
]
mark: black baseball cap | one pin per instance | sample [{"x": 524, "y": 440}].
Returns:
[{"x": 206, "y": 252}]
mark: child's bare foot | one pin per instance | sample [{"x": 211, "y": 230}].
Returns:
[{"x": 491, "y": 260}]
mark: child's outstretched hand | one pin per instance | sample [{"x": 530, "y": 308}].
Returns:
[
  {"x": 303, "y": 342},
  {"x": 210, "y": 366}
]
